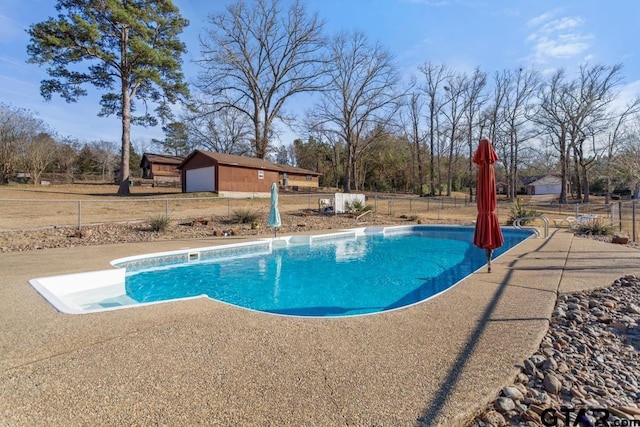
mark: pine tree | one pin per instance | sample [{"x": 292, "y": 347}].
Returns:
[{"x": 127, "y": 48}]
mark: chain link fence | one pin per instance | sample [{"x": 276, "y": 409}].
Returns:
[
  {"x": 620, "y": 216},
  {"x": 24, "y": 214}
]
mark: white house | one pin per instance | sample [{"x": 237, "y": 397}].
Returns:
[{"x": 549, "y": 184}]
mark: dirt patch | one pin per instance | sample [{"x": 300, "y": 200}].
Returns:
[{"x": 108, "y": 233}]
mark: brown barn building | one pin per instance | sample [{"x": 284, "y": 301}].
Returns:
[
  {"x": 230, "y": 175},
  {"x": 161, "y": 168}
]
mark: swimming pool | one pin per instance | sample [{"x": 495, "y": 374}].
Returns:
[{"x": 354, "y": 272}]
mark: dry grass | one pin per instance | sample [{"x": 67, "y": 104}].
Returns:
[{"x": 28, "y": 206}]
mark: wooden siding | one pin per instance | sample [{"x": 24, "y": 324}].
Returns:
[
  {"x": 294, "y": 180},
  {"x": 237, "y": 174},
  {"x": 233, "y": 178}
]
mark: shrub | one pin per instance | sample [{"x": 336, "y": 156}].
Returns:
[
  {"x": 409, "y": 217},
  {"x": 596, "y": 228},
  {"x": 519, "y": 210},
  {"x": 356, "y": 207},
  {"x": 159, "y": 223},
  {"x": 245, "y": 216}
]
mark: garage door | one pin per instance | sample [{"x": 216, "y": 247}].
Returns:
[
  {"x": 203, "y": 179},
  {"x": 548, "y": 189}
]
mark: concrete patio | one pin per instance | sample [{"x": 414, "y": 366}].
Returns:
[{"x": 201, "y": 362}]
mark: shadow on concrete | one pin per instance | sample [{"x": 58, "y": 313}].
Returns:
[{"x": 431, "y": 413}]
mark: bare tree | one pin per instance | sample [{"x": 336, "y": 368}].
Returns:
[
  {"x": 553, "y": 119},
  {"x": 411, "y": 116},
  {"x": 520, "y": 89},
  {"x": 435, "y": 78},
  {"x": 65, "y": 160},
  {"x": 11, "y": 133},
  {"x": 222, "y": 131},
  {"x": 589, "y": 112},
  {"x": 618, "y": 139},
  {"x": 625, "y": 165},
  {"x": 359, "y": 99},
  {"x": 25, "y": 143},
  {"x": 475, "y": 97},
  {"x": 38, "y": 153},
  {"x": 105, "y": 155},
  {"x": 256, "y": 57},
  {"x": 455, "y": 90}
]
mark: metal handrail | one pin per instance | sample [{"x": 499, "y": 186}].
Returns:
[
  {"x": 516, "y": 224},
  {"x": 362, "y": 214}
]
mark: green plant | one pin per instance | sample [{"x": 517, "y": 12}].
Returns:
[
  {"x": 596, "y": 227},
  {"x": 519, "y": 210},
  {"x": 159, "y": 223},
  {"x": 356, "y": 207},
  {"x": 244, "y": 216}
]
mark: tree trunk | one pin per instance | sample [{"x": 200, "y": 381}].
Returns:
[
  {"x": 419, "y": 160},
  {"x": 124, "y": 189},
  {"x": 450, "y": 167},
  {"x": 348, "y": 170},
  {"x": 563, "y": 171},
  {"x": 585, "y": 183}
]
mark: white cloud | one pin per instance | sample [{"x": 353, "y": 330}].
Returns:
[
  {"x": 557, "y": 38},
  {"x": 628, "y": 93}
]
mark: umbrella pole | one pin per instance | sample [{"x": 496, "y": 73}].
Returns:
[{"x": 489, "y": 253}]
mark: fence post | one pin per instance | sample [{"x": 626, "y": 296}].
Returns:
[
  {"x": 633, "y": 219},
  {"x": 410, "y": 205},
  {"x": 166, "y": 208},
  {"x": 620, "y": 215},
  {"x": 390, "y": 201},
  {"x": 79, "y": 214},
  {"x": 228, "y": 207}
]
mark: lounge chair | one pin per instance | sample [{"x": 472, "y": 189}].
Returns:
[
  {"x": 585, "y": 219},
  {"x": 570, "y": 220}
]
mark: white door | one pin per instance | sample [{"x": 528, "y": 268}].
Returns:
[{"x": 203, "y": 179}]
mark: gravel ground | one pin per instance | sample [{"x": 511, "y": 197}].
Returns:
[
  {"x": 193, "y": 228},
  {"x": 187, "y": 228}
]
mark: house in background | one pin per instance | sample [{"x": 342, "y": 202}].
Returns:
[
  {"x": 238, "y": 176},
  {"x": 295, "y": 178},
  {"x": 548, "y": 184},
  {"x": 161, "y": 168}
]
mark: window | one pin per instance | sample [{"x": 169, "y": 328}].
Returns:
[
  {"x": 309, "y": 177},
  {"x": 260, "y": 174}
]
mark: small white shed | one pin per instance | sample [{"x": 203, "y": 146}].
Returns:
[{"x": 341, "y": 200}]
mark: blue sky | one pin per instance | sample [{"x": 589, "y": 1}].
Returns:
[{"x": 463, "y": 34}]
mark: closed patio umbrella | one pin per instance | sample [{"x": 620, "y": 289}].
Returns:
[
  {"x": 274, "y": 214},
  {"x": 488, "y": 235}
]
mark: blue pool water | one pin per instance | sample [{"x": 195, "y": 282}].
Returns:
[{"x": 339, "y": 277}]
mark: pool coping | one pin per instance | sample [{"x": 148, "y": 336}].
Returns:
[
  {"x": 105, "y": 290},
  {"x": 201, "y": 362}
]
